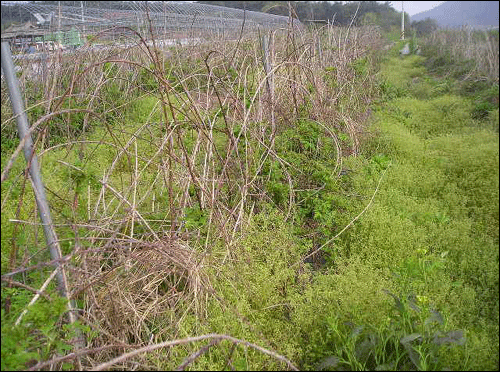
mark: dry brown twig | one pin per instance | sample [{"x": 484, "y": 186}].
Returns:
[
  {"x": 22, "y": 285},
  {"x": 196, "y": 354},
  {"x": 161, "y": 345},
  {"x": 78, "y": 353},
  {"x": 43, "y": 119},
  {"x": 37, "y": 295}
]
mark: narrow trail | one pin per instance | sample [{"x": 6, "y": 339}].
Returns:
[{"x": 434, "y": 223}]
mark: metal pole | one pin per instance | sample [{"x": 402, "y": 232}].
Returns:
[
  {"x": 36, "y": 179},
  {"x": 31, "y": 159}
]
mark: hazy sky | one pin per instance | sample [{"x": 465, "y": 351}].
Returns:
[{"x": 414, "y": 7}]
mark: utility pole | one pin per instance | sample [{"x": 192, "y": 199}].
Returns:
[{"x": 402, "y": 21}]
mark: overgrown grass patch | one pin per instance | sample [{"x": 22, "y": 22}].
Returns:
[
  {"x": 208, "y": 223},
  {"x": 444, "y": 165},
  {"x": 427, "y": 246}
]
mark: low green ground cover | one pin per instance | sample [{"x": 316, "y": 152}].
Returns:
[
  {"x": 414, "y": 283},
  {"x": 432, "y": 231},
  {"x": 411, "y": 285}
]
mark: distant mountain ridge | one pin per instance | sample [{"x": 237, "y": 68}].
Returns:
[{"x": 453, "y": 14}]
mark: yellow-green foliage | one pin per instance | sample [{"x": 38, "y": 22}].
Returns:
[
  {"x": 351, "y": 292},
  {"x": 256, "y": 289},
  {"x": 400, "y": 70},
  {"x": 434, "y": 224}
]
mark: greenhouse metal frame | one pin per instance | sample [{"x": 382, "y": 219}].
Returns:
[{"x": 164, "y": 16}]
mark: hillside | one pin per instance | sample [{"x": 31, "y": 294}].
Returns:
[{"x": 452, "y": 14}]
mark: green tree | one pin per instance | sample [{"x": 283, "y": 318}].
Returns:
[
  {"x": 370, "y": 19},
  {"x": 425, "y": 26}
]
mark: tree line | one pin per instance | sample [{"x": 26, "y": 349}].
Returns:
[{"x": 381, "y": 14}]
